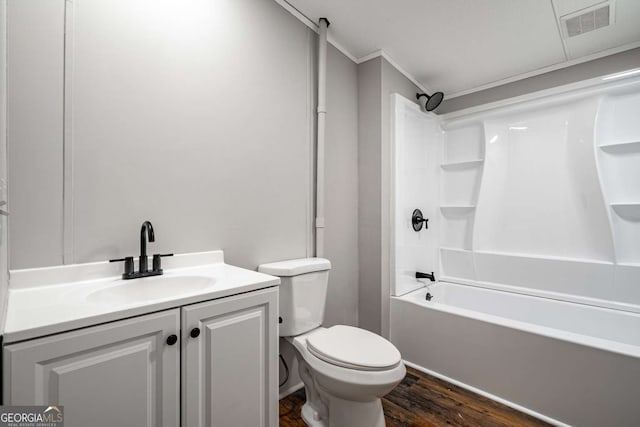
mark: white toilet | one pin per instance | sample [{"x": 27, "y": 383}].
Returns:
[{"x": 345, "y": 370}]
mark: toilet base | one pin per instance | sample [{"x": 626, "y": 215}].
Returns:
[
  {"x": 311, "y": 417},
  {"x": 345, "y": 413}
]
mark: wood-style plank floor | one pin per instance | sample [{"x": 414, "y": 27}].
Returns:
[{"x": 421, "y": 400}]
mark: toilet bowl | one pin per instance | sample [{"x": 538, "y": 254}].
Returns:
[
  {"x": 346, "y": 392},
  {"x": 345, "y": 370}
]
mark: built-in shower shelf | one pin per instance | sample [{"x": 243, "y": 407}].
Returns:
[
  {"x": 622, "y": 147},
  {"x": 458, "y": 250},
  {"x": 629, "y": 211},
  {"x": 629, "y": 264},
  {"x": 457, "y": 208},
  {"x": 462, "y": 164}
]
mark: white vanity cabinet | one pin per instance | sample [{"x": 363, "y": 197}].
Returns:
[
  {"x": 221, "y": 366},
  {"x": 118, "y": 374},
  {"x": 229, "y": 361}
]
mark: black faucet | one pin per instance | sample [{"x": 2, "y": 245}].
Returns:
[
  {"x": 146, "y": 226},
  {"x": 431, "y": 276},
  {"x": 129, "y": 271}
]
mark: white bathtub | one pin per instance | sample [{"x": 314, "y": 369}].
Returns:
[{"x": 563, "y": 362}]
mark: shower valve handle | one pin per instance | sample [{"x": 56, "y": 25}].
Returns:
[{"x": 417, "y": 220}]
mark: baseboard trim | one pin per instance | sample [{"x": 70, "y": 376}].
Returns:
[
  {"x": 488, "y": 395},
  {"x": 292, "y": 389}
]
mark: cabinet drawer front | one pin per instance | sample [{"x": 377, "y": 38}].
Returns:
[
  {"x": 230, "y": 365},
  {"x": 121, "y": 373}
]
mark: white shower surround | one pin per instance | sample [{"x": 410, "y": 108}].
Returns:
[{"x": 539, "y": 197}]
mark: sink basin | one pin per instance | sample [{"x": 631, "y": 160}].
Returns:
[{"x": 151, "y": 288}]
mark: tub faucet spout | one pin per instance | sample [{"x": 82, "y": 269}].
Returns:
[{"x": 431, "y": 276}]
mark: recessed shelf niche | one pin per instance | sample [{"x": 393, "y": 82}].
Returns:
[
  {"x": 618, "y": 138},
  {"x": 463, "y": 144},
  {"x": 459, "y": 186},
  {"x": 457, "y": 228},
  {"x": 460, "y": 176}
]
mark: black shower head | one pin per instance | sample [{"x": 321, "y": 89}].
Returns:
[{"x": 430, "y": 103}]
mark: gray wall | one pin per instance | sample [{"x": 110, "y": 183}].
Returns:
[
  {"x": 377, "y": 81},
  {"x": 369, "y": 197},
  {"x": 341, "y": 217},
  {"x": 205, "y": 129},
  {"x": 35, "y": 126},
  {"x": 599, "y": 67}
]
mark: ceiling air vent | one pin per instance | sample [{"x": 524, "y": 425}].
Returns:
[{"x": 589, "y": 19}]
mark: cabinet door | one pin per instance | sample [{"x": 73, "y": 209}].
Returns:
[
  {"x": 229, "y": 369},
  {"x": 117, "y": 374}
]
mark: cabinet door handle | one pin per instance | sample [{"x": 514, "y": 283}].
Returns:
[
  {"x": 172, "y": 339},
  {"x": 195, "y": 332}
]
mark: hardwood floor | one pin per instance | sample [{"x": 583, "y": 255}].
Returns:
[{"x": 421, "y": 400}]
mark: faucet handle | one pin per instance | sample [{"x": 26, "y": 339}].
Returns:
[
  {"x": 156, "y": 261},
  {"x": 128, "y": 265}
]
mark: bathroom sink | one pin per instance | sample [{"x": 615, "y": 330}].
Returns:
[{"x": 151, "y": 288}]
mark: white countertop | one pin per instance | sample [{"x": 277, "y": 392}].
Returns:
[{"x": 36, "y": 308}]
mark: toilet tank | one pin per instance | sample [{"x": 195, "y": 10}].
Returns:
[{"x": 303, "y": 293}]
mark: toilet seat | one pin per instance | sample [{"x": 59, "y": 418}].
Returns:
[{"x": 353, "y": 348}]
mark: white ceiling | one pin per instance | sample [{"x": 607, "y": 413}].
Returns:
[{"x": 458, "y": 46}]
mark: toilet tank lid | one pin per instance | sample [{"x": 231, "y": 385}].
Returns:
[{"x": 294, "y": 267}]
